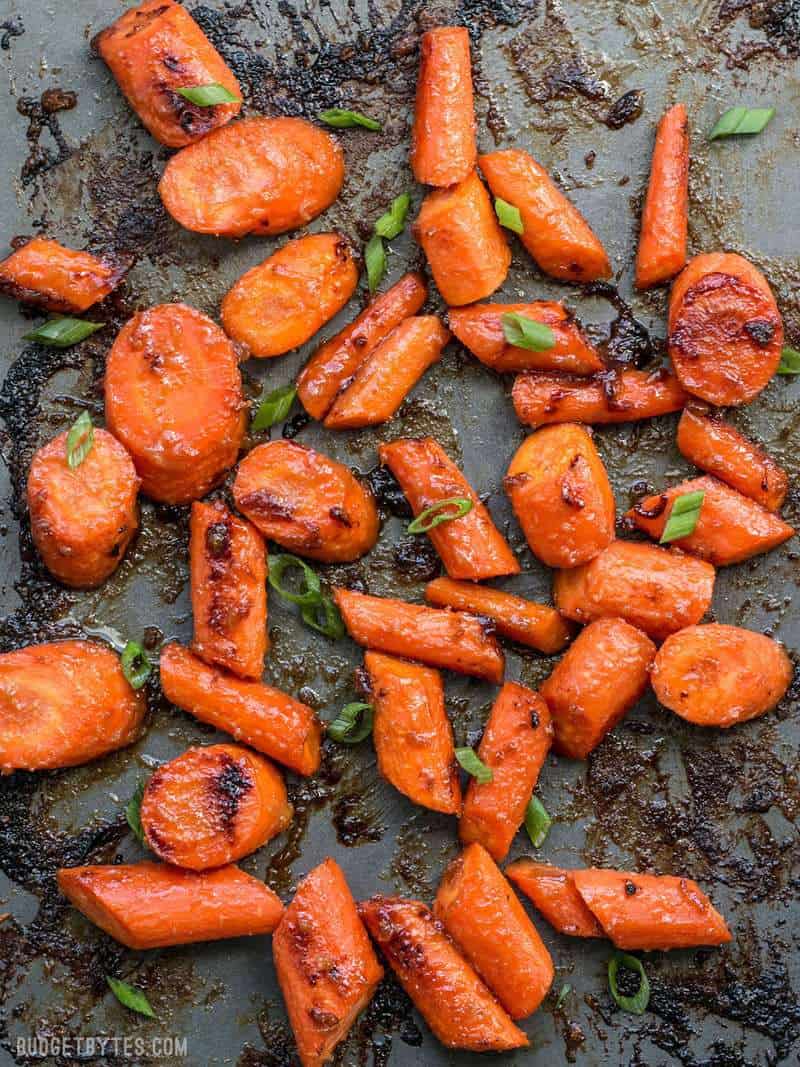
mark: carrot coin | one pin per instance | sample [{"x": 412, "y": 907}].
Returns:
[{"x": 47, "y": 274}]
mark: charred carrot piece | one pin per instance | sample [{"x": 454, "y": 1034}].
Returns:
[
  {"x": 306, "y": 502},
  {"x": 153, "y": 905},
  {"x": 465, "y": 247},
  {"x": 326, "y": 966},
  {"x": 447, "y": 992},
  {"x": 47, "y": 274},
  {"x": 471, "y": 546},
  {"x": 514, "y": 747},
  {"x": 448, "y": 639},
  {"x": 334, "y": 364},
  {"x": 270, "y": 176},
  {"x": 264, "y": 718},
  {"x": 554, "y": 894},
  {"x": 617, "y": 396},
  {"x": 554, "y": 232},
  {"x": 717, "y": 675},
  {"x": 724, "y": 332},
  {"x": 559, "y": 489},
  {"x": 412, "y": 734},
  {"x": 665, "y": 219}
]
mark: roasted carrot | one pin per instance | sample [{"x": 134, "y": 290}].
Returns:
[
  {"x": 264, "y": 718},
  {"x": 269, "y": 176},
  {"x": 412, "y": 734},
  {"x": 64, "y": 703},
  {"x": 665, "y": 219},
  {"x": 449, "y": 639},
  {"x": 718, "y": 448},
  {"x": 228, "y": 567},
  {"x": 514, "y": 746},
  {"x": 306, "y": 502},
  {"x": 559, "y": 489},
  {"x": 443, "y": 149},
  {"x": 154, "y": 905},
  {"x": 717, "y": 675},
  {"x": 173, "y": 396},
  {"x": 447, "y": 992},
  {"x": 554, "y": 232},
  {"x": 83, "y": 518},
  {"x": 467, "y": 252},
  {"x": 334, "y": 364},
  {"x": 657, "y": 590},
  {"x": 730, "y": 528},
  {"x": 471, "y": 546},
  {"x": 47, "y": 274},
  {"x": 725, "y": 332},
  {"x": 480, "y": 329},
  {"x": 387, "y": 376},
  {"x": 281, "y": 303},
  {"x": 553, "y": 892}
]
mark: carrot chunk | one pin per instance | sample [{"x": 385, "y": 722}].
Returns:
[
  {"x": 553, "y": 892},
  {"x": 665, "y": 219},
  {"x": 47, "y": 274},
  {"x": 616, "y": 396}
]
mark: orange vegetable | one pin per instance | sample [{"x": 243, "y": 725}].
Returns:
[
  {"x": 153, "y": 905},
  {"x": 173, "y": 396},
  {"x": 555, "y": 233},
  {"x": 269, "y": 176},
  {"x": 471, "y": 546},
  {"x": 725, "y": 332},
  {"x": 553, "y": 892},
  {"x": 264, "y": 718},
  {"x": 561, "y": 495},
  {"x": 64, "y": 703},
  {"x": 465, "y": 247},
  {"x": 47, "y": 274},
  {"x": 306, "y": 502},
  {"x": 618, "y": 396},
  {"x": 447, "y": 992},
  {"x": 514, "y": 746},
  {"x": 412, "y": 734},
  {"x": 717, "y": 675},
  {"x": 447, "y": 639},
  {"x": 665, "y": 219}
]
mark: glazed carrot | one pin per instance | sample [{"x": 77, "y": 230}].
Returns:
[
  {"x": 264, "y": 718},
  {"x": 173, "y": 396},
  {"x": 443, "y": 149},
  {"x": 47, "y": 274},
  {"x": 269, "y": 176},
  {"x": 465, "y": 247},
  {"x": 615, "y": 396},
  {"x": 717, "y": 675},
  {"x": 228, "y": 568},
  {"x": 448, "y": 639},
  {"x": 83, "y": 518},
  {"x": 665, "y": 219},
  {"x": 153, "y": 905},
  {"x": 514, "y": 746},
  {"x": 656, "y": 590},
  {"x": 719, "y": 449},
  {"x": 480, "y": 329},
  {"x": 281, "y": 303},
  {"x": 471, "y": 546},
  {"x": 212, "y": 806},
  {"x": 447, "y": 992},
  {"x": 560, "y": 492},
  {"x": 387, "y": 376},
  {"x": 334, "y": 364},
  {"x": 730, "y": 528},
  {"x": 553, "y": 891},
  {"x": 326, "y": 966},
  {"x": 555, "y": 233},
  {"x": 306, "y": 502},
  {"x": 64, "y": 703},
  {"x": 517, "y": 619},
  {"x": 724, "y": 332},
  {"x": 412, "y": 734}
]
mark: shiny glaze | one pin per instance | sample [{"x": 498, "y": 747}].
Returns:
[
  {"x": 614, "y": 396},
  {"x": 665, "y": 218},
  {"x": 553, "y": 892},
  {"x": 45, "y": 273}
]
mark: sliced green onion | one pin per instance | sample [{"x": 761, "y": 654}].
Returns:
[
  {"x": 64, "y": 332},
  {"x": 208, "y": 95},
  {"x": 454, "y": 507},
  {"x": 469, "y": 760},
  {"x": 684, "y": 516},
  {"x": 537, "y": 822},
  {"x": 790, "y": 361},
  {"x": 637, "y": 1004},
  {"x": 135, "y": 665},
  {"x": 740, "y": 120},
  {"x": 79, "y": 440},
  {"x": 130, "y": 997},
  {"x": 310, "y": 593},
  {"x": 508, "y": 215},
  {"x": 329, "y": 622},
  {"x": 375, "y": 259},
  {"x": 563, "y": 993},
  {"x": 133, "y": 812},
  {"x": 526, "y": 333},
  {"x": 392, "y": 222},
  {"x": 342, "y": 118},
  {"x": 352, "y": 724},
  {"x": 274, "y": 407}
]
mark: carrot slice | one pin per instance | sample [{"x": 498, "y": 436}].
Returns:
[
  {"x": 447, "y": 992},
  {"x": 269, "y": 176},
  {"x": 616, "y": 396},
  {"x": 264, "y": 718},
  {"x": 47, "y": 274},
  {"x": 553, "y": 891},
  {"x": 306, "y": 502},
  {"x": 514, "y": 747},
  {"x": 665, "y": 219},
  {"x": 471, "y": 546},
  {"x": 717, "y": 675},
  {"x": 412, "y": 734}
]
